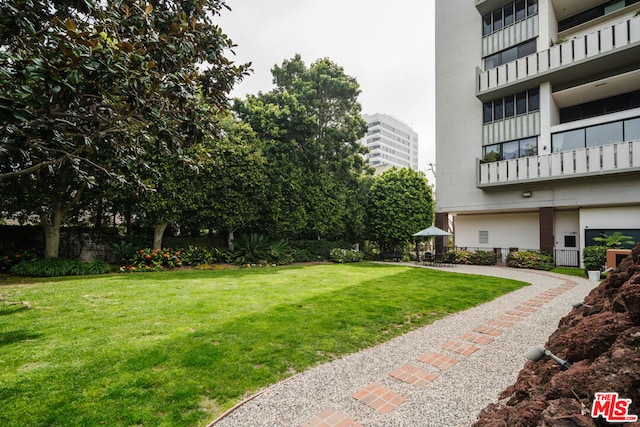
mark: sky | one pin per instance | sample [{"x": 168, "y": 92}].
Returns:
[{"x": 388, "y": 46}]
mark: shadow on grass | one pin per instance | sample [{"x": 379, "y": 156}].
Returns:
[
  {"x": 7, "y": 309},
  {"x": 12, "y": 337}
]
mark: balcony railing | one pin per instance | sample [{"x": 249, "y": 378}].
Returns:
[
  {"x": 560, "y": 56},
  {"x": 616, "y": 158}
]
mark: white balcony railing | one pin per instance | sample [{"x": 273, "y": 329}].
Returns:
[
  {"x": 562, "y": 55},
  {"x": 591, "y": 161}
]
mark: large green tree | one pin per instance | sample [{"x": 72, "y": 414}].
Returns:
[
  {"x": 311, "y": 123},
  {"x": 230, "y": 190},
  {"x": 91, "y": 89},
  {"x": 400, "y": 203}
]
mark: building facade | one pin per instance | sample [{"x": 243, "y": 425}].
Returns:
[
  {"x": 538, "y": 123},
  {"x": 391, "y": 143}
]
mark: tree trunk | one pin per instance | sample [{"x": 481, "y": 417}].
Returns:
[
  {"x": 158, "y": 231},
  {"x": 230, "y": 239},
  {"x": 51, "y": 224}
]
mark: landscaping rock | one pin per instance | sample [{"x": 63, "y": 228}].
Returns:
[{"x": 601, "y": 340}]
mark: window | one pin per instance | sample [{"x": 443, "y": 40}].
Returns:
[
  {"x": 497, "y": 20},
  {"x": 570, "y": 140},
  {"x": 498, "y": 112},
  {"x": 508, "y": 14},
  {"x": 593, "y": 136},
  {"x": 570, "y": 242},
  {"x": 534, "y": 99},
  {"x": 487, "y": 112},
  {"x": 483, "y": 237},
  {"x": 607, "y": 133},
  {"x": 632, "y": 130},
  {"x": 511, "y": 149},
  {"x": 593, "y": 13},
  {"x": 529, "y": 147},
  {"x": 509, "y": 106},
  {"x": 601, "y": 107},
  {"x": 511, "y": 54},
  {"x": 520, "y": 10},
  {"x": 486, "y": 25},
  {"x": 521, "y": 103}
]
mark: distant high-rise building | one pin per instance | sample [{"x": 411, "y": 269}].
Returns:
[{"x": 391, "y": 143}]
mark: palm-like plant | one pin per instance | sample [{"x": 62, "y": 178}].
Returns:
[{"x": 614, "y": 240}]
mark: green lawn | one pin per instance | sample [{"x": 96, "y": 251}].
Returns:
[{"x": 180, "y": 347}]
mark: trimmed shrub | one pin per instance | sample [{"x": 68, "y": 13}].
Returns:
[
  {"x": 475, "y": 258},
  {"x": 530, "y": 259},
  {"x": 341, "y": 255},
  {"x": 594, "y": 258},
  {"x": 314, "y": 250},
  {"x": 55, "y": 267}
]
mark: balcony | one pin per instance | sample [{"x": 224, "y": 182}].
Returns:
[
  {"x": 597, "y": 53},
  {"x": 618, "y": 158}
]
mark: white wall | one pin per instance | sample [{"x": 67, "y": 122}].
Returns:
[
  {"x": 520, "y": 230},
  {"x": 567, "y": 223},
  {"x": 615, "y": 217}
]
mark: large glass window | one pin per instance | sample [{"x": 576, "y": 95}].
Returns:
[
  {"x": 571, "y": 140},
  {"x": 607, "y": 133},
  {"x": 594, "y": 136},
  {"x": 600, "y": 107},
  {"x": 510, "y": 106},
  {"x": 511, "y": 54},
  {"x": 593, "y": 13},
  {"x": 508, "y": 15},
  {"x": 529, "y": 147},
  {"x": 511, "y": 150},
  {"x": 632, "y": 130}
]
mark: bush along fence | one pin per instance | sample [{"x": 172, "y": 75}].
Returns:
[
  {"x": 530, "y": 259},
  {"x": 341, "y": 255}
]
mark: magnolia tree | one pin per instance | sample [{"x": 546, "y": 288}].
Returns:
[{"x": 104, "y": 93}]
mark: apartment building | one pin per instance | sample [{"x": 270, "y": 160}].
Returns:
[
  {"x": 391, "y": 143},
  {"x": 538, "y": 123}
]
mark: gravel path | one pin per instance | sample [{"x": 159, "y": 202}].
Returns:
[{"x": 454, "y": 397}]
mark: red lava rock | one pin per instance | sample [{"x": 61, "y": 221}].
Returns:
[{"x": 601, "y": 342}]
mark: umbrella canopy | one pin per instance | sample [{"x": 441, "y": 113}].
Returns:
[{"x": 432, "y": 231}]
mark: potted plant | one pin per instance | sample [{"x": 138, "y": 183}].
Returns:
[{"x": 594, "y": 258}]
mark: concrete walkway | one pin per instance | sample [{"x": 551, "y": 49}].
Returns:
[{"x": 442, "y": 374}]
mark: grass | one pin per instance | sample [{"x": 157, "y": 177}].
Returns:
[
  {"x": 180, "y": 347},
  {"x": 570, "y": 271}
]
